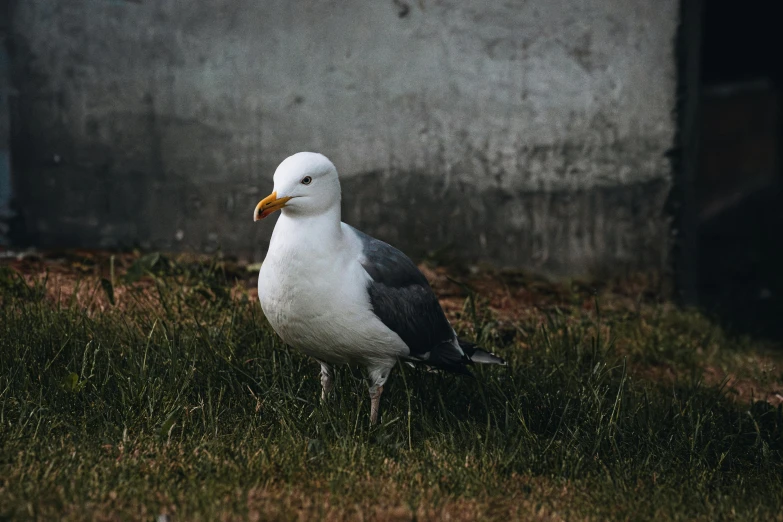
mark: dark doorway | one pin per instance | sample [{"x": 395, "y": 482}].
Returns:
[{"x": 737, "y": 184}]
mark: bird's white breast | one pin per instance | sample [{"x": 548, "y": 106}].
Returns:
[{"x": 313, "y": 291}]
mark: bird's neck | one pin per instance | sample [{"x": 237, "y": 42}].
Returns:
[{"x": 322, "y": 229}]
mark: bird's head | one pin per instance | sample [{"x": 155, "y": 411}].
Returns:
[{"x": 305, "y": 184}]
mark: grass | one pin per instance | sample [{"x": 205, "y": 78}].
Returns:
[{"x": 178, "y": 399}]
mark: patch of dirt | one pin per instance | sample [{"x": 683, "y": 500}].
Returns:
[
  {"x": 745, "y": 389},
  {"x": 741, "y": 389}
]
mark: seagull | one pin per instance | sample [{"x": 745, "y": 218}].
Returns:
[{"x": 343, "y": 297}]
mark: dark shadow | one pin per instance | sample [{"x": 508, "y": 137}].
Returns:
[
  {"x": 738, "y": 184},
  {"x": 741, "y": 265}
]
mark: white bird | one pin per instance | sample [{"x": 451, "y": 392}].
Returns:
[{"x": 343, "y": 297}]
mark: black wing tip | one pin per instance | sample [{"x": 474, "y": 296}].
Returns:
[
  {"x": 480, "y": 356},
  {"x": 454, "y": 362},
  {"x": 441, "y": 366},
  {"x": 484, "y": 357}
]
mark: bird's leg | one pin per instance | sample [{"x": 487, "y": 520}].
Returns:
[
  {"x": 327, "y": 380},
  {"x": 375, "y": 403},
  {"x": 377, "y": 380}
]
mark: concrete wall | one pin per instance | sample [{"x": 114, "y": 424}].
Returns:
[{"x": 529, "y": 134}]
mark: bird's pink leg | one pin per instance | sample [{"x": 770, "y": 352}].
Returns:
[
  {"x": 375, "y": 403},
  {"x": 327, "y": 380},
  {"x": 378, "y": 378}
]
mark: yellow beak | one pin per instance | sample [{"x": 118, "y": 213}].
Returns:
[{"x": 268, "y": 205}]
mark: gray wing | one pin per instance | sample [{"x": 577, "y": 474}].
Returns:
[{"x": 402, "y": 299}]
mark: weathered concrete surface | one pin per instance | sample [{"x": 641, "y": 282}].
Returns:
[{"x": 529, "y": 134}]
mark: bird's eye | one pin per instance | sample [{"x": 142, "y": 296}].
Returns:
[{"x": 307, "y": 180}]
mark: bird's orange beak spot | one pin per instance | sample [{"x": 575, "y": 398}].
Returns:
[{"x": 268, "y": 205}]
